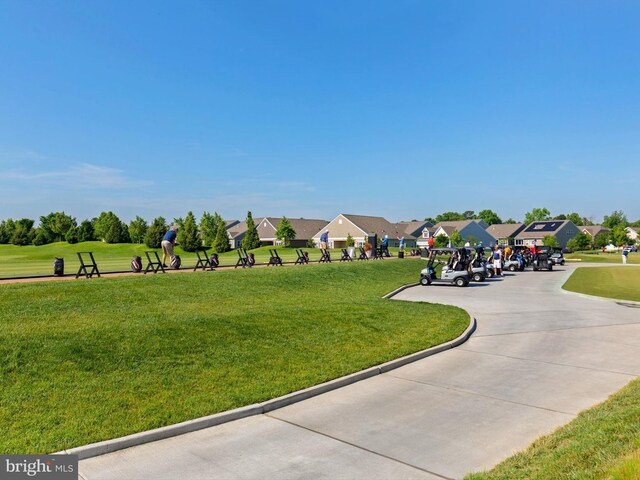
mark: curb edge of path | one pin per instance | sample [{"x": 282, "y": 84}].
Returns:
[{"x": 108, "y": 446}]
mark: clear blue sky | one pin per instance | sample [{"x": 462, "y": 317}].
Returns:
[{"x": 403, "y": 109}]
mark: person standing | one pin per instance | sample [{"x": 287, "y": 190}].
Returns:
[
  {"x": 625, "y": 253},
  {"x": 497, "y": 260},
  {"x": 384, "y": 246},
  {"x": 324, "y": 240},
  {"x": 168, "y": 242}
]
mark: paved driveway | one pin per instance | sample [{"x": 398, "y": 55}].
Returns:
[{"x": 539, "y": 356}]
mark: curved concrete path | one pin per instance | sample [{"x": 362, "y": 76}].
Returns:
[{"x": 540, "y": 356}]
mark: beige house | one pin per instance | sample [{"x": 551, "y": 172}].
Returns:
[
  {"x": 304, "y": 228},
  {"x": 505, "y": 233},
  {"x": 632, "y": 233},
  {"x": 561, "y": 230},
  {"x": 593, "y": 230},
  {"x": 361, "y": 227}
]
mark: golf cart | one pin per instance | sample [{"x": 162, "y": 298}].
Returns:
[
  {"x": 516, "y": 260},
  {"x": 542, "y": 260},
  {"x": 557, "y": 258},
  {"x": 454, "y": 271},
  {"x": 477, "y": 264}
]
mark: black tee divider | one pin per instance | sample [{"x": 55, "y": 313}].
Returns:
[
  {"x": 154, "y": 264},
  {"x": 85, "y": 265},
  {"x": 204, "y": 261}
]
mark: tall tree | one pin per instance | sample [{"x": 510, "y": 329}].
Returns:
[
  {"x": 57, "y": 224},
  {"x": 138, "y": 229},
  {"x": 251, "y": 240},
  {"x": 537, "y": 215},
  {"x": 85, "y": 231},
  {"x": 616, "y": 218},
  {"x": 468, "y": 214},
  {"x": 155, "y": 232},
  {"x": 209, "y": 227},
  {"x": 6, "y": 230},
  {"x": 23, "y": 233},
  {"x": 106, "y": 222},
  {"x": 510, "y": 221},
  {"x": 619, "y": 235},
  {"x": 550, "y": 241},
  {"x": 449, "y": 217},
  {"x": 285, "y": 231},
  {"x": 601, "y": 240},
  {"x": 221, "y": 243},
  {"x": 188, "y": 235},
  {"x": 441, "y": 241},
  {"x": 582, "y": 241},
  {"x": 575, "y": 218},
  {"x": 489, "y": 217}
]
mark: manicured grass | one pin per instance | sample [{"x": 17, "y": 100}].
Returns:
[
  {"x": 612, "y": 282},
  {"x": 601, "y": 443},
  {"x": 597, "y": 256},
  {"x": 88, "y": 360},
  {"x": 31, "y": 260}
]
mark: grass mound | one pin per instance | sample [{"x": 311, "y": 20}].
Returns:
[{"x": 91, "y": 360}]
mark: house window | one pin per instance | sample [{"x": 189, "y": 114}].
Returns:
[
  {"x": 264, "y": 224},
  {"x": 425, "y": 233},
  {"x": 340, "y": 221}
]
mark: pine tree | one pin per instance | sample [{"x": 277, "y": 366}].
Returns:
[
  {"x": 285, "y": 231},
  {"x": 188, "y": 235},
  {"x": 155, "y": 232},
  {"x": 209, "y": 227},
  {"x": 251, "y": 240},
  {"x": 221, "y": 243},
  {"x": 138, "y": 229}
]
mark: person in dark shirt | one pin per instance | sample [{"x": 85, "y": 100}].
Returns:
[{"x": 168, "y": 242}]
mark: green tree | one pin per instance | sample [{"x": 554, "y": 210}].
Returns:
[
  {"x": 469, "y": 214},
  {"x": 6, "y": 230},
  {"x": 601, "y": 240},
  {"x": 188, "y": 235},
  {"x": 209, "y": 227},
  {"x": 472, "y": 240},
  {"x": 456, "y": 238},
  {"x": 23, "y": 233},
  {"x": 117, "y": 231},
  {"x": 251, "y": 240},
  {"x": 431, "y": 220},
  {"x": 575, "y": 218},
  {"x": 489, "y": 217},
  {"x": 441, "y": 241},
  {"x": 72, "y": 235},
  {"x": 138, "y": 229},
  {"x": 509, "y": 221},
  {"x": 582, "y": 241},
  {"x": 562, "y": 216},
  {"x": 41, "y": 238},
  {"x": 221, "y": 243},
  {"x": 619, "y": 235},
  {"x": 85, "y": 231},
  {"x": 537, "y": 215},
  {"x": 156, "y": 232},
  {"x": 285, "y": 231},
  {"x": 57, "y": 224},
  {"x": 449, "y": 217},
  {"x": 616, "y": 218},
  {"x": 550, "y": 241},
  {"x": 106, "y": 221}
]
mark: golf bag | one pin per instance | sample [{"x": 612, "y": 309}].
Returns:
[
  {"x": 251, "y": 259},
  {"x": 176, "y": 262},
  {"x": 136, "y": 264},
  {"x": 58, "y": 267},
  {"x": 214, "y": 260}
]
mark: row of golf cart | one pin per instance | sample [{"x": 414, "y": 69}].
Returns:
[{"x": 460, "y": 265}]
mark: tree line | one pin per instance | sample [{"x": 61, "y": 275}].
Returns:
[{"x": 210, "y": 231}]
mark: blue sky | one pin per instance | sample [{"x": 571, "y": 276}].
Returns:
[{"x": 403, "y": 109}]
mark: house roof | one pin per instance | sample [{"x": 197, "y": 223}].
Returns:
[
  {"x": 305, "y": 228},
  {"x": 542, "y": 229},
  {"x": 379, "y": 225},
  {"x": 593, "y": 230},
  {"x": 505, "y": 230},
  {"x": 236, "y": 229},
  {"x": 412, "y": 229}
]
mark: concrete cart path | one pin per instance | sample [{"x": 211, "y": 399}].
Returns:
[{"x": 540, "y": 356}]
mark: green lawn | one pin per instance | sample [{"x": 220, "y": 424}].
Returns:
[
  {"x": 31, "y": 260},
  {"x": 603, "y": 442},
  {"x": 597, "y": 256},
  {"x": 88, "y": 360},
  {"x": 613, "y": 282}
]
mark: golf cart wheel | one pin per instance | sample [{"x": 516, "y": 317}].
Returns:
[
  {"x": 461, "y": 282},
  {"x": 478, "y": 277},
  {"x": 424, "y": 281},
  {"x": 512, "y": 268},
  {"x": 550, "y": 267}
]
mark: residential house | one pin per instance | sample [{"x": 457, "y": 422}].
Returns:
[
  {"x": 632, "y": 233},
  {"x": 304, "y": 228},
  {"x": 236, "y": 231},
  {"x": 361, "y": 228},
  {"x": 411, "y": 231},
  {"x": 505, "y": 233},
  {"x": 593, "y": 230},
  {"x": 470, "y": 230},
  {"x": 561, "y": 230}
]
